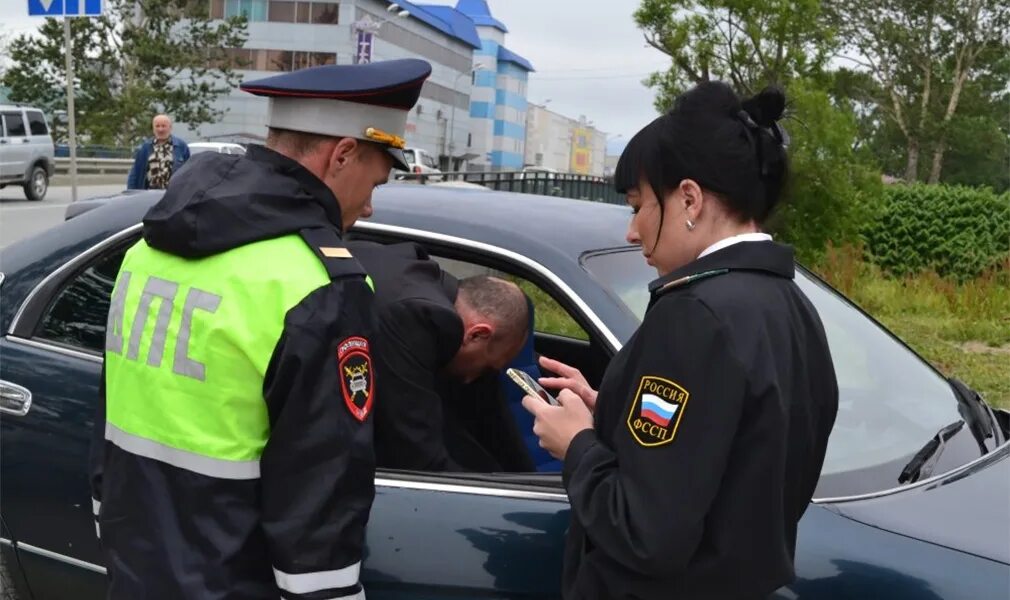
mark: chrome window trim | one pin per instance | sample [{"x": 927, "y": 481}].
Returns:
[
  {"x": 41, "y": 345},
  {"x": 2, "y": 277},
  {"x": 460, "y": 488},
  {"x": 54, "y": 555},
  {"x": 500, "y": 252},
  {"x": 70, "y": 265}
]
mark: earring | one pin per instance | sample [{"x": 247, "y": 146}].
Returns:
[{"x": 690, "y": 225}]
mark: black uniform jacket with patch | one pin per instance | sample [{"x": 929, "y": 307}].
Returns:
[
  {"x": 424, "y": 420},
  {"x": 296, "y": 532},
  {"x": 710, "y": 432}
]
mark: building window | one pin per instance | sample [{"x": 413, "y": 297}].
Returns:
[
  {"x": 304, "y": 12},
  {"x": 469, "y": 140},
  {"x": 324, "y": 13},
  {"x": 217, "y": 9},
  {"x": 253, "y": 10},
  {"x": 289, "y": 60},
  {"x": 282, "y": 12}
]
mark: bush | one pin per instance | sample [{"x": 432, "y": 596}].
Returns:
[{"x": 955, "y": 231}]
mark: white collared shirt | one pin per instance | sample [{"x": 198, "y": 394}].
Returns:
[{"x": 736, "y": 239}]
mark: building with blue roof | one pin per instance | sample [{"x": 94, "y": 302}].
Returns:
[
  {"x": 464, "y": 118},
  {"x": 498, "y": 101}
]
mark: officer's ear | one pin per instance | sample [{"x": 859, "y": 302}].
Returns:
[{"x": 341, "y": 154}]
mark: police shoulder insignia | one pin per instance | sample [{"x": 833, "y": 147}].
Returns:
[
  {"x": 357, "y": 382},
  {"x": 656, "y": 411}
]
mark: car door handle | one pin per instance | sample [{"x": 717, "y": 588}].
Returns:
[
  {"x": 14, "y": 399},
  {"x": 25, "y": 140},
  {"x": 4, "y": 142}
]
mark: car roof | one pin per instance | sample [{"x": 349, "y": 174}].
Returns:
[{"x": 18, "y": 107}]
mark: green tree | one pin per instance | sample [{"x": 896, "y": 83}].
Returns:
[
  {"x": 748, "y": 43},
  {"x": 923, "y": 56},
  {"x": 754, "y": 43},
  {"x": 141, "y": 58}
]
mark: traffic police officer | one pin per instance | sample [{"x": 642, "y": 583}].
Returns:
[
  {"x": 234, "y": 458},
  {"x": 711, "y": 423}
]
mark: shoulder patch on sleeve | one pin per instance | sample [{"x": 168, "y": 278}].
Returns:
[
  {"x": 357, "y": 381},
  {"x": 656, "y": 411}
]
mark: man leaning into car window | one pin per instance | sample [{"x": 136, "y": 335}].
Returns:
[{"x": 440, "y": 345}]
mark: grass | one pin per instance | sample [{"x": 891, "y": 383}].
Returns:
[{"x": 962, "y": 329}]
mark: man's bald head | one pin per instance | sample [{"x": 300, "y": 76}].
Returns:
[
  {"x": 162, "y": 126},
  {"x": 495, "y": 319}
]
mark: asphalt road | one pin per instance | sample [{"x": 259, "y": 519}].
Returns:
[{"x": 20, "y": 218}]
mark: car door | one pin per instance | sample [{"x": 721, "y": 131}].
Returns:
[
  {"x": 38, "y": 130},
  {"x": 15, "y": 144},
  {"x": 54, "y": 352}
]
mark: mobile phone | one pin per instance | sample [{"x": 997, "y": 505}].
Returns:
[{"x": 531, "y": 387}]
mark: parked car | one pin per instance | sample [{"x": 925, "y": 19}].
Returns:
[
  {"x": 222, "y": 147},
  {"x": 940, "y": 532},
  {"x": 423, "y": 167},
  {"x": 27, "y": 153}
]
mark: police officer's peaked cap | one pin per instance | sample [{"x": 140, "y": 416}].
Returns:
[{"x": 367, "y": 102}]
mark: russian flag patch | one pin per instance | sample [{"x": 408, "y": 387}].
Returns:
[{"x": 657, "y": 410}]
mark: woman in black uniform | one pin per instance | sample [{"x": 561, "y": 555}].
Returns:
[{"x": 688, "y": 475}]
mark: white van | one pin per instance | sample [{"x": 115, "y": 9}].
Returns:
[
  {"x": 421, "y": 163},
  {"x": 26, "y": 150}
]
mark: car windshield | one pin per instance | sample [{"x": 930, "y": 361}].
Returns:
[{"x": 891, "y": 402}]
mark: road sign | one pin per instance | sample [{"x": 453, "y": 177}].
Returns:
[{"x": 64, "y": 8}]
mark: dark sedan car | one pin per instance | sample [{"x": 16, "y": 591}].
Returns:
[{"x": 913, "y": 500}]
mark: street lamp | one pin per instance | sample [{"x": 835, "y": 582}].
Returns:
[
  {"x": 396, "y": 7},
  {"x": 452, "y": 118}
]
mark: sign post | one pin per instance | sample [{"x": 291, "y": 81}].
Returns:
[{"x": 68, "y": 9}]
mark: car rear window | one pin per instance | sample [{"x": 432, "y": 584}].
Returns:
[
  {"x": 37, "y": 123},
  {"x": 14, "y": 123}
]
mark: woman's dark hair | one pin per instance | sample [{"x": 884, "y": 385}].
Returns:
[{"x": 732, "y": 148}]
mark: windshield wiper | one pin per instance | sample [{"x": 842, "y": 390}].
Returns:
[
  {"x": 924, "y": 461},
  {"x": 976, "y": 413}
]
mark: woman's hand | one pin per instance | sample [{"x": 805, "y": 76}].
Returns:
[
  {"x": 570, "y": 378},
  {"x": 556, "y": 426}
]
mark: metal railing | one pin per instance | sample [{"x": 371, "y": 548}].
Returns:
[
  {"x": 565, "y": 185},
  {"x": 95, "y": 166}
]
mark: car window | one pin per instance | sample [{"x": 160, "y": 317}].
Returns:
[
  {"x": 428, "y": 160},
  {"x": 549, "y": 316},
  {"x": 15, "y": 124},
  {"x": 409, "y": 156},
  {"x": 77, "y": 314},
  {"x": 891, "y": 402},
  {"x": 37, "y": 123}
]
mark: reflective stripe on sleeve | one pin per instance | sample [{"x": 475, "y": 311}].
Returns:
[
  {"x": 96, "y": 506},
  {"x": 204, "y": 465},
  {"x": 306, "y": 583}
]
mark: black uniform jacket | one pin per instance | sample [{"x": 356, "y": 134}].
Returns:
[
  {"x": 711, "y": 427},
  {"x": 424, "y": 420},
  {"x": 170, "y": 533}
]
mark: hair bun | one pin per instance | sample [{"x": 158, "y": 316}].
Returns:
[{"x": 767, "y": 107}]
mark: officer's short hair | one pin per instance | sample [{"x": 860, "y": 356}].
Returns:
[
  {"x": 500, "y": 301},
  {"x": 296, "y": 143}
]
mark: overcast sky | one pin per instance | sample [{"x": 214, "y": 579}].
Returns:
[{"x": 590, "y": 59}]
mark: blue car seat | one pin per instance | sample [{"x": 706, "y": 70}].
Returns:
[{"x": 526, "y": 361}]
